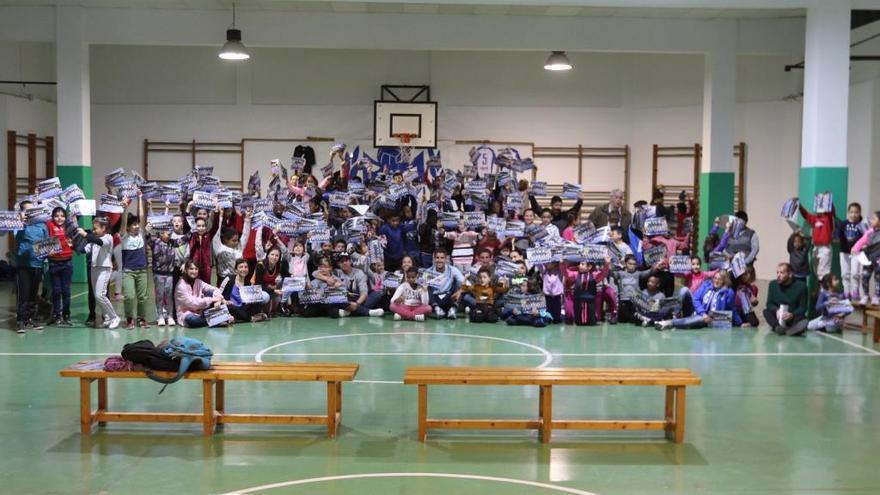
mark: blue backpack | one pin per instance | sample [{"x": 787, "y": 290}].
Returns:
[{"x": 192, "y": 355}]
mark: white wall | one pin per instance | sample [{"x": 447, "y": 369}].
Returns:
[{"x": 608, "y": 100}]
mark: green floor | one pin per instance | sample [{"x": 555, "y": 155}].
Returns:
[{"x": 774, "y": 415}]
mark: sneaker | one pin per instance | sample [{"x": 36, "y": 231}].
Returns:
[
  {"x": 65, "y": 322},
  {"x": 90, "y": 321},
  {"x": 35, "y": 325},
  {"x": 54, "y": 321},
  {"x": 779, "y": 330},
  {"x": 397, "y": 317},
  {"x": 467, "y": 310},
  {"x": 451, "y": 314},
  {"x": 129, "y": 323},
  {"x": 259, "y": 317},
  {"x": 114, "y": 323},
  {"x": 419, "y": 317},
  {"x": 875, "y": 301},
  {"x": 439, "y": 313},
  {"x": 663, "y": 325},
  {"x": 645, "y": 323},
  {"x": 20, "y": 327},
  {"x": 142, "y": 322},
  {"x": 612, "y": 320},
  {"x": 343, "y": 313},
  {"x": 863, "y": 301},
  {"x": 377, "y": 312},
  {"x": 160, "y": 322},
  {"x": 170, "y": 321}
]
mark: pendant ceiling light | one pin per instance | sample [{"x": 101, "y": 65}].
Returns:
[
  {"x": 233, "y": 49},
  {"x": 557, "y": 61}
]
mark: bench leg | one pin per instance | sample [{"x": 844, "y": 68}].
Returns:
[
  {"x": 331, "y": 409},
  {"x": 339, "y": 397},
  {"x": 546, "y": 413},
  {"x": 423, "y": 412},
  {"x": 85, "y": 406},
  {"x": 876, "y": 330},
  {"x": 102, "y": 397},
  {"x": 864, "y": 320},
  {"x": 680, "y": 405},
  {"x": 669, "y": 415},
  {"x": 208, "y": 407},
  {"x": 220, "y": 399}
]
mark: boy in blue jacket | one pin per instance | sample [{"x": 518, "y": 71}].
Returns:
[
  {"x": 394, "y": 232},
  {"x": 28, "y": 271}
]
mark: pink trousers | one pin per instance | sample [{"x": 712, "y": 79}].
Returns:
[{"x": 410, "y": 312}]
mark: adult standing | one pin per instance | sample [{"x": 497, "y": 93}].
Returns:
[
  {"x": 614, "y": 213},
  {"x": 743, "y": 240},
  {"x": 786, "y": 303}
]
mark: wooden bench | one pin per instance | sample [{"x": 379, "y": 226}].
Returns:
[
  {"x": 675, "y": 381},
  {"x": 213, "y": 380}
]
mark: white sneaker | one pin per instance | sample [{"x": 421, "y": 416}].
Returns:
[
  {"x": 377, "y": 312},
  {"x": 160, "y": 321},
  {"x": 875, "y": 301},
  {"x": 397, "y": 317},
  {"x": 663, "y": 325},
  {"x": 114, "y": 323},
  {"x": 418, "y": 317},
  {"x": 451, "y": 314},
  {"x": 467, "y": 310},
  {"x": 863, "y": 301},
  {"x": 343, "y": 313},
  {"x": 439, "y": 313},
  {"x": 170, "y": 322}
]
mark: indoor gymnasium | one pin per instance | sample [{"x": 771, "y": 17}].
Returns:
[{"x": 507, "y": 246}]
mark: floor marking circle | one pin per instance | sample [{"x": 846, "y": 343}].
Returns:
[
  {"x": 536, "y": 484},
  {"x": 548, "y": 358}
]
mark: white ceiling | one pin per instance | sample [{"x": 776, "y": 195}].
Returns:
[{"x": 489, "y": 7}]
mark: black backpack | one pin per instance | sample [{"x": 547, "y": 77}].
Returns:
[{"x": 146, "y": 354}]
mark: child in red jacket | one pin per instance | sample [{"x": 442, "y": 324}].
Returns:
[{"x": 823, "y": 235}]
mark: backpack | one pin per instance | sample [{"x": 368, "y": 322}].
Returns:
[
  {"x": 146, "y": 354},
  {"x": 187, "y": 353},
  {"x": 180, "y": 354}
]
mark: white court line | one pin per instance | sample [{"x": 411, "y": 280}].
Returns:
[
  {"x": 853, "y": 344},
  {"x": 79, "y": 295},
  {"x": 715, "y": 354},
  {"x": 548, "y": 357},
  {"x": 547, "y": 486}
]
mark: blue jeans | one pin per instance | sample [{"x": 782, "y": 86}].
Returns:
[
  {"x": 195, "y": 321},
  {"x": 61, "y": 273},
  {"x": 693, "y": 321},
  {"x": 689, "y": 318},
  {"x": 373, "y": 301}
]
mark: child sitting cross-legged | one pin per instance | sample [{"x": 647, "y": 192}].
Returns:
[
  {"x": 828, "y": 320},
  {"x": 485, "y": 293},
  {"x": 410, "y": 300},
  {"x": 513, "y": 314}
]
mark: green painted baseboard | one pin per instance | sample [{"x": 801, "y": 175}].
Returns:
[{"x": 82, "y": 176}]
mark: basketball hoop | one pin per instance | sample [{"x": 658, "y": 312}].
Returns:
[{"x": 406, "y": 149}]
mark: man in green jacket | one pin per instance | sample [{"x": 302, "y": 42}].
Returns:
[{"x": 791, "y": 293}]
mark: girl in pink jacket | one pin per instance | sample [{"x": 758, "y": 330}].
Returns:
[
  {"x": 193, "y": 296},
  {"x": 870, "y": 243}
]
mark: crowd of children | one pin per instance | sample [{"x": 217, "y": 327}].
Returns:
[{"x": 363, "y": 241}]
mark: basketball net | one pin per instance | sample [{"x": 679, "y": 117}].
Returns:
[{"x": 406, "y": 149}]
